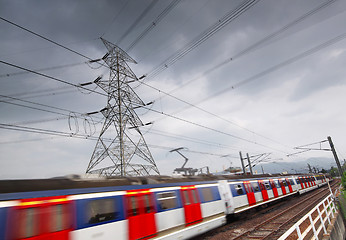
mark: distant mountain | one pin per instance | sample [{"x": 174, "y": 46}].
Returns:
[{"x": 297, "y": 166}]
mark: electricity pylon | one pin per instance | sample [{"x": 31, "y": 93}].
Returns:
[{"x": 120, "y": 149}]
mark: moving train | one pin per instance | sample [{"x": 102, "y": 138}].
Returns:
[{"x": 135, "y": 208}]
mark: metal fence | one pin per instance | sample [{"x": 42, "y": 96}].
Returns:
[{"x": 314, "y": 224}]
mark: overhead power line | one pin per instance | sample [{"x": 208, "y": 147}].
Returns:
[
  {"x": 271, "y": 69},
  {"x": 80, "y": 136},
  {"x": 135, "y": 23},
  {"x": 42, "y": 69},
  {"x": 208, "y": 112},
  {"x": 205, "y": 35},
  {"x": 115, "y": 17},
  {"x": 34, "y": 103},
  {"x": 50, "y": 77},
  {"x": 47, "y": 39},
  {"x": 153, "y": 24},
  {"x": 279, "y": 66},
  {"x": 200, "y": 125},
  {"x": 190, "y": 139},
  {"x": 63, "y": 81},
  {"x": 212, "y": 129},
  {"x": 258, "y": 44}
]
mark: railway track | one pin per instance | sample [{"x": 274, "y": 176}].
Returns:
[{"x": 278, "y": 218}]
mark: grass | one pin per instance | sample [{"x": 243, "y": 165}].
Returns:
[{"x": 342, "y": 201}]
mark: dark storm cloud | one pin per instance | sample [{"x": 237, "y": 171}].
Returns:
[{"x": 276, "y": 104}]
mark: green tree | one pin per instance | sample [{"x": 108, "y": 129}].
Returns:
[
  {"x": 333, "y": 172},
  {"x": 343, "y": 180}
]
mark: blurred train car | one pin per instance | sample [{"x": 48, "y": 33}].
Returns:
[{"x": 135, "y": 208}]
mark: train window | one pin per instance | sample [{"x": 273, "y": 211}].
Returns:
[
  {"x": 167, "y": 200},
  {"x": 284, "y": 183},
  {"x": 147, "y": 203},
  {"x": 102, "y": 210},
  {"x": 267, "y": 185},
  {"x": 59, "y": 218},
  {"x": 272, "y": 184},
  {"x": 248, "y": 188},
  {"x": 207, "y": 194},
  {"x": 186, "y": 198},
  {"x": 133, "y": 206},
  {"x": 28, "y": 222},
  {"x": 262, "y": 187},
  {"x": 239, "y": 189},
  {"x": 255, "y": 186},
  {"x": 298, "y": 181},
  {"x": 291, "y": 181},
  {"x": 194, "y": 195},
  {"x": 277, "y": 184}
]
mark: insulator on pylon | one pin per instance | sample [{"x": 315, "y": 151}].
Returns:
[
  {"x": 95, "y": 60},
  {"x": 97, "y": 79},
  {"x": 91, "y": 113},
  {"x": 105, "y": 56},
  {"x": 85, "y": 84}
]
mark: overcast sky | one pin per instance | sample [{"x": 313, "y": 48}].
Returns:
[{"x": 269, "y": 80}]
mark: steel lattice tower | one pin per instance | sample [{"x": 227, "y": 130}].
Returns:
[{"x": 120, "y": 149}]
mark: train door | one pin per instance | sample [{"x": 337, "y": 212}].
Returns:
[
  {"x": 263, "y": 190},
  {"x": 42, "y": 219},
  {"x": 282, "y": 185},
  {"x": 289, "y": 185},
  {"x": 308, "y": 181},
  {"x": 192, "y": 205},
  {"x": 313, "y": 180},
  {"x": 141, "y": 214},
  {"x": 302, "y": 182},
  {"x": 250, "y": 193},
  {"x": 275, "y": 191},
  {"x": 226, "y": 196}
]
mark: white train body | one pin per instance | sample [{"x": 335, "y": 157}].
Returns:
[{"x": 156, "y": 211}]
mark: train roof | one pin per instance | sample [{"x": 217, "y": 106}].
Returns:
[{"x": 31, "y": 185}]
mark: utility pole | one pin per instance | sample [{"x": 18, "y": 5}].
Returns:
[
  {"x": 250, "y": 167},
  {"x": 120, "y": 149},
  {"x": 335, "y": 156},
  {"x": 242, "y": 163},
  {"x": 306, "y": 148},
  {"x": 262, "y": 169}
]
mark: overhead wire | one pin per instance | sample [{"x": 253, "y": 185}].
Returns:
[
  {"x": 272, "y": 69},
  {"x": 259, "y": 43},
  {"x": 30, "y": 102},
  {"x": 138, "y": 19},
  {"x": 45, "y": 38},
  {"x": 47, "y": 90},
  {"x": 189, "y": 139},
  {"x": 81, "y": 136},
  {"x": 205, "y": 35},
  {"x": 116, "y": 16},
  {"x": 278, "y": 66},
  {"x": 157, "y": 20},
  {"x": 205, "y": 111},
  {"x": 243, "y": 52},
  {"x": 173, "y": 32},
  {"x": 177, "y": 118},
  {"x": 213, "y": 129},
  {"x": 42, "y": 69},
  {"x": 52, "y": 78}
]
